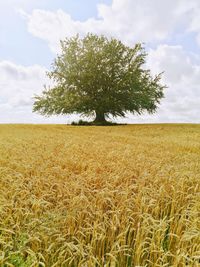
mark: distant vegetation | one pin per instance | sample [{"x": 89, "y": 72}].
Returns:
[
  {"x": 92, "y": 123},
  {"x": 99, "y": 196},
  {"x": 98, "y": 77}
]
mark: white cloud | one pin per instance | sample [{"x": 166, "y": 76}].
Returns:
[
  {"x": 18, "y": 85},
  {"x": 194, "y": 25},
  {"x": 55, "y": 26},
  {"x": 130, "y": 20},
  {"x": 50, "y": 26},
  {"x": 182, "y": 75},
  {"x": 146, "y": 21}
]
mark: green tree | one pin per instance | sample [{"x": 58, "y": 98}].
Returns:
[{"x": 97, "y": 76}]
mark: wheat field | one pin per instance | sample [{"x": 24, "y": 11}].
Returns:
[{"x": 117, "y": 196}]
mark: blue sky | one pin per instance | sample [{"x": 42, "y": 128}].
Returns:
[{"x": 29, "y": 41}]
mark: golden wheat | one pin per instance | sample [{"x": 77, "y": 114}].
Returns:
[{"x": 116, "y": 196}]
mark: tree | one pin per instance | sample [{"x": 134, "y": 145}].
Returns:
[{"x": 97, "y": 76}]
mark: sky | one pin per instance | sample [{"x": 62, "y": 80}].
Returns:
[{"x": 30, "y": 31}]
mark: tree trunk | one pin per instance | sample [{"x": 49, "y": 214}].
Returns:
[{"x": 100, "y": 117}]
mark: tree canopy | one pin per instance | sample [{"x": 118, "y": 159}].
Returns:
[{"x": 98, "y": 76}]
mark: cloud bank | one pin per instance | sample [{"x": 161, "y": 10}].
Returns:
[{"x": 131, "y": 21}]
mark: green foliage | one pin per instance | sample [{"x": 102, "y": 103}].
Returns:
[
  {"x": 92, "y": 123},
  {"x": 18, "y": 260},
  {"x": 99, "y": 76}
]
